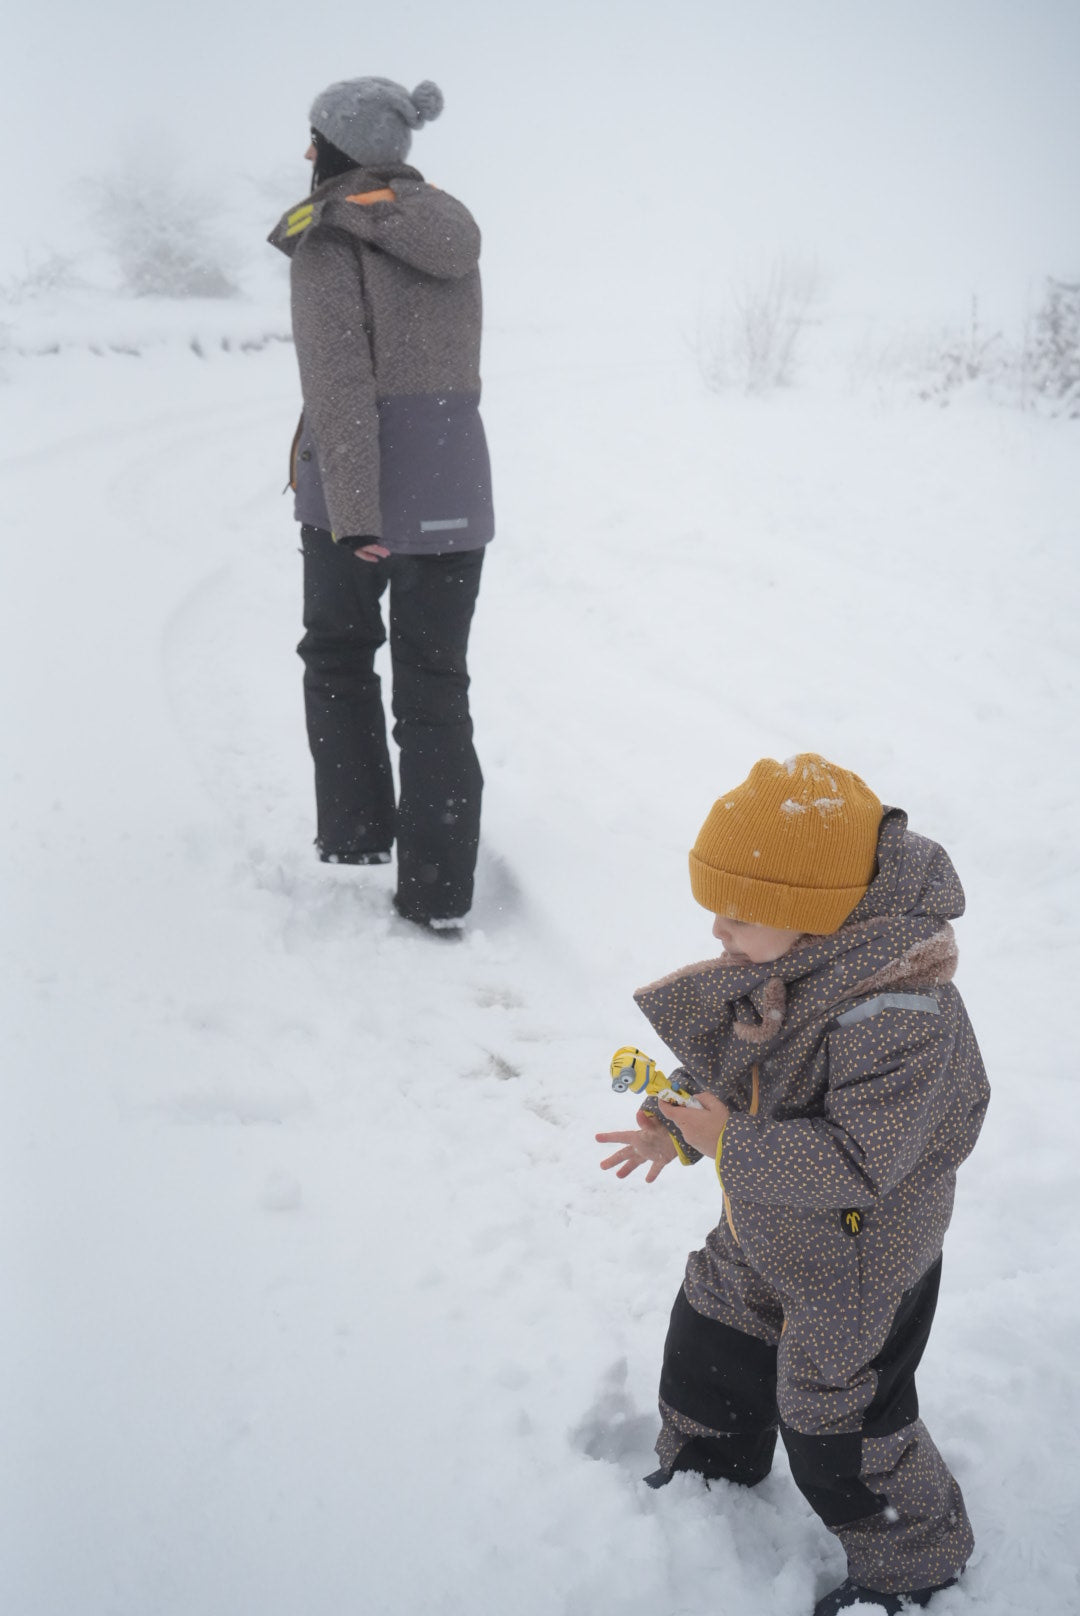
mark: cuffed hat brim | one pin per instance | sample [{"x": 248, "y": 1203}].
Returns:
[{"x": 771, "y": 903}]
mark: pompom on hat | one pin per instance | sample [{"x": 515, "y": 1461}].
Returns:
[
  {"x": 794, "y": 846},
  {"x": 371, "y": 120}
]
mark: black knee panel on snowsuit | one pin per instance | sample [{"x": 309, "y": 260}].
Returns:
[
  {"x": 895, "y": 1402},
  {"x": 726, "y": 1380},
  {"x": 826, "y": 1471}
]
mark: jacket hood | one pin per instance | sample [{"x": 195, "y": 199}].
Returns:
[
  {"x": 392, "y": 209},
  {"x": 914, "y": 877}
]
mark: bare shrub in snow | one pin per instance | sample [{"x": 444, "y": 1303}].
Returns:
[
  {"x": 754, "y": 345},
  {"x": 938, "y": 365},
  {"x": 41, "y": 276},
  {"x": 167, "y": 239},
  {"x": 1052, "y": 351},
  {"x": 1039, "y": 370},
  {"x": 958, "y": 358}
]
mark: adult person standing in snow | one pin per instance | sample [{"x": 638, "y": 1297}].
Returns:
[{"x": 393, "y": 491}]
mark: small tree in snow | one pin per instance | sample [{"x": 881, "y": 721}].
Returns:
[{"x": 1053, "y": 350}]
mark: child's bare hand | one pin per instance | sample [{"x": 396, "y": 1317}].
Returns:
[
  {"x": 702, "y": 1128},
  {"x": 648, "y": 1142}
]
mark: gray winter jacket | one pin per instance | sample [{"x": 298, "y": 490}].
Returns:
[
  {"x": 386, "y": 316},
  {"x": 857, "y": 1090}
]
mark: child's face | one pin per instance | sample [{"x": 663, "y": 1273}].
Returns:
[{"x": 758, "y": 944}]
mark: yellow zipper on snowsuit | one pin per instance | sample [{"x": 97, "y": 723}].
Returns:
[{"x": 755, "y": 1101}]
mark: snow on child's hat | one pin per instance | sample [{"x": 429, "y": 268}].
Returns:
[
  {"x": 793, "y": 846},
  {"x": 371, "y": 120}
]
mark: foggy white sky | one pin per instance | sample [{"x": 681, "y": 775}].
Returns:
[{"x": 921, "y": 151}]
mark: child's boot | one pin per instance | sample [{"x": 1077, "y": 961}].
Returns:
[{"x": 851, "y": 1593}]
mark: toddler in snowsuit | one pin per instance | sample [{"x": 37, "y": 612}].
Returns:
[{"x": 840, "y": 1087}]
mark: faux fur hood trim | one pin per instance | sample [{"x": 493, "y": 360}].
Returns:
[
  {"x": 774, "y": 1003},
  {"x": 926, "y": 964}
]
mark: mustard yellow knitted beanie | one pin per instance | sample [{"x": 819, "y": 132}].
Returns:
[{"x": 793, "y": 846}]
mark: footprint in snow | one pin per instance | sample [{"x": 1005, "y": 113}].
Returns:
[{"x": 612, "y": 1430}]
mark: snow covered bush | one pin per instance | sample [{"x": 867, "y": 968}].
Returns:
[
  {"x": 958, "y": 358},
  {"x": 167, "y": 239},
  {"x": 754, "y": 345},
  {"x": 1039, "y": 370},
  {"x": 1052, "y": 353}
]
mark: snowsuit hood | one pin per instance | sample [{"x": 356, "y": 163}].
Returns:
[{"x": 914, "y": 878}]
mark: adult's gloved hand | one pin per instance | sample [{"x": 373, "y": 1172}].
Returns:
[{"x": 364, "y": 548}]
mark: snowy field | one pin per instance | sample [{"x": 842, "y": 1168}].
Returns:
[{"x": 316, "y": 1298}]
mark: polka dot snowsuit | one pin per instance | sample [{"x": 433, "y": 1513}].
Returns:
[{"x": 857, "y": 1089}]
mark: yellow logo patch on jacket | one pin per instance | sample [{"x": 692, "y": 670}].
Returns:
[{"x": 298, "y": 219}]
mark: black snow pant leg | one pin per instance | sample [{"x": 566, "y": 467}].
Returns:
[
  {"x": 432, "y": 599},
  {"x": 717, "y": 1400},
  {"x": 346, "y": 726}
]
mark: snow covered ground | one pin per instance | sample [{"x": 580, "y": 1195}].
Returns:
[{"x": 316, "y": 1299}]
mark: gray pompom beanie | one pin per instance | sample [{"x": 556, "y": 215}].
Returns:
[{"x": 372, "y": 120}]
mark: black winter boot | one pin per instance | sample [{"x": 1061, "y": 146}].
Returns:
[
  {"x": 451, "y": 930},
  {"x": 348, "y": 856},
  {"x": 745, "y": 1460},
  {"x": 852, "y": 1593}
]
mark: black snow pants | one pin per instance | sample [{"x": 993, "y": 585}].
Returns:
[
  {"x": 881, "y": 1486},
  {"x": 436, "y": 821}
]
